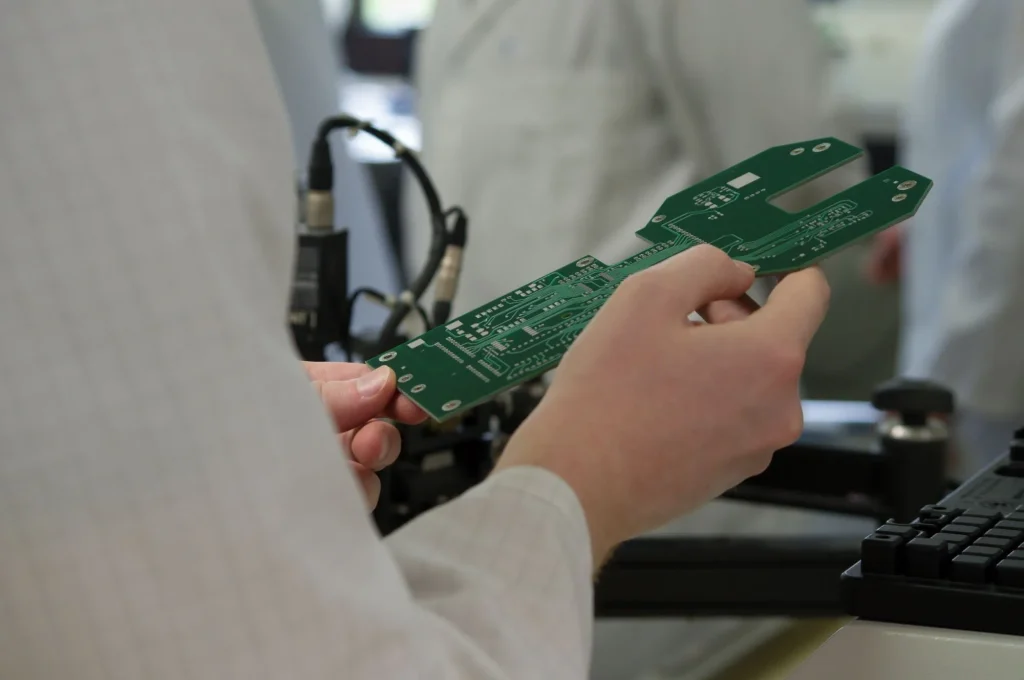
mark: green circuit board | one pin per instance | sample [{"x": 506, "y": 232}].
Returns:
[{"x": 525, "y": 333}]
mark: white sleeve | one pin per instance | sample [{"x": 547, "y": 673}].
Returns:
[
  {"x": 982, "y": 310},
  {"x": 173, "y": 501}
]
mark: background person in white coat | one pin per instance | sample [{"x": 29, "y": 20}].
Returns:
[
  {"x": 962, "y": 254},
  {"x": 560, "y": 127}
]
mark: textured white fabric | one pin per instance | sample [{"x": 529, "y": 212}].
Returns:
[
  {"x": 964, "y": 288},
  {"x": 173, "y": 503}
]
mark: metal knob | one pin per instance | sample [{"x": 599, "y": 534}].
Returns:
[{"x": 914, "y": 400}]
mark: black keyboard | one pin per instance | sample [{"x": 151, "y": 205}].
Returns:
[{"x": 959, "y": 565}]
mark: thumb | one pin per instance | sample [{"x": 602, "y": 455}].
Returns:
[
  {"x": 702, "y": 275},
  {"x": 354, "y": 402}
]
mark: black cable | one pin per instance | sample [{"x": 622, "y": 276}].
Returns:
[
  {"x": 321, "y": 178},
  {"x": 346, "y": 343},
  {"x": 379, "y": 298}
]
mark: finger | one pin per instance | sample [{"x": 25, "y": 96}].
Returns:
[
  {"x": 375, "y": 445},
  {"x": 401, "y": 408},
  {"x": 327, "y": 371},
  {"x": 370, "y": 483},
  {"x": 724, "y": 311},
  {"x": 699, "y": 276},
  {"x": 405, "y": 411},
  {"x": 796, "y": 307},
  {"x": 354, "y": 402}
]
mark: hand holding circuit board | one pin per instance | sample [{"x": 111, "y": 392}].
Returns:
[{"x": 525, "y": 333}]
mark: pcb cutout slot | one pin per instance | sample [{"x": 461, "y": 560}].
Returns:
[{"x": 820, "y": 189}]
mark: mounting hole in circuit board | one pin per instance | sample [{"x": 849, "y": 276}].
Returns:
[
  {"x": 388, "y": 356},
  {"x": 418, "y": 389},
  {"x": 585, "y": 261},
  {"x": 658, "y": 218},
  {"x": 899, "y": 197},
  {"x": 797, "y": 151},
  {"x": 451, "y": 405},
  {"x": 824, "y": 146},
  {"x": 405, "y": 378},
  {"x": 905, "y": 186}
]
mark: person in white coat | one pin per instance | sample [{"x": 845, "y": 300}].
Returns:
[
  {"x": 560, "y": 127},
  {"x": 310, "y": 75},
  {"x": 962, "y": 254}
]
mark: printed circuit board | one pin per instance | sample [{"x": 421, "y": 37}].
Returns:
[{"x": 525, "y": 333}]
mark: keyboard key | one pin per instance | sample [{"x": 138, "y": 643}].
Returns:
[
  {"x": 980, "y": 522},
  {"x": 968, "y": 531},
  {"x": 1016, "y": 516},
  {"x": 927, "y": 557},
  {"x": 931, "y": 510},
  {"x": 941, "y": 510},
  {"x": 983, "y": 551},
  {"x": 956, "y": 542},
  {"x": 1010, "y": 573},
  {"x": 1003, "y": 544},
  {"x": 925, "y": 527},
  {"x": 1013, "y": 526},
  {"x": 935, "y": 520},
  {"x": 1005, "y": 533},
  {"x": 971, "y": 568},
  {"x": 991, "y": 515},
  {"x": 904, "y": 531},
  {"x": 1016, "y": 555},
  {"x": 881, "y": 553}
]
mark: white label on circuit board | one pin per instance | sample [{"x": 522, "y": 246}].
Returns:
[{"x": 743, "y": 180}]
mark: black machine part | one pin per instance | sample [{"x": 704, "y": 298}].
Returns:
[{"x": 319, "y": 299}]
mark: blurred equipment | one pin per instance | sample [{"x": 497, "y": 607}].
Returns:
[
  {"x": 319, "y": 305},
  {"x": 395, "y": 16},
  {"x": 380, "y": 38},
  {"x": 318, "y": 313},
  {"x": 308, "y": 76},
  {"x": 939, "y": 596}
]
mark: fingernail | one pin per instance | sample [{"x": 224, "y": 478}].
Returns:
[
  {"x": 372, "y": 383},
  {"x": 384, "y": 455},
  {"x": 744, "y": 267}
]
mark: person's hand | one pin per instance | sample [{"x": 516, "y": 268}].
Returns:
[
  {"x": 650, "y": 415},
  {"x": 884, "y": 263},
  {"x": 356, "y": 396}
]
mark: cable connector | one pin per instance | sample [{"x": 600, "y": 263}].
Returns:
[
  {"x": 451, "y": 267},
  {"x": 319, "y": 211}
]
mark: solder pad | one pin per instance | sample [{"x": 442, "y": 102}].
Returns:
[{"x": 525, "y": 333}]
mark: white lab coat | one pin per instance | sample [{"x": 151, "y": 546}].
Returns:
[
  {"x": 964, "y": 289},
  {"x": 560, "y": 127},
  {"x": 309, "y": 74}
]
